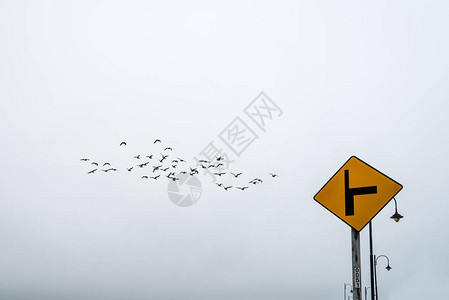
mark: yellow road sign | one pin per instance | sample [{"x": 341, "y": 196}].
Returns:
[{"x": 357, "y": 192}]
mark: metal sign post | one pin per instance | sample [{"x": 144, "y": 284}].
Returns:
[{"x": 356, "y": 266}]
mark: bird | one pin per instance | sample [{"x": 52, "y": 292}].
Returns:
[
  {"x": 91, "y": 172},
  {"x": 94, "y": 163},
  {"x": 106, "y": 164},
  {"x": 273, "y": 175},
  {"x": 236, "y": 175},
  {"x": 220, "y": 173},
  {"x": 123, "y": 144},
  {"x": 203, "y": 166},
  {"x": 130, "y": 169},
  {"x": 180, "y": 159},
  {"x": 164, "y": 169},
  {"x": 203, "y": 161},
  {"x": 241, "y": 188},
  {"x": 257, "y": 179},
  {"x": 145, "y": 176},
  {"x": 174, "y": 178},
  {"x": 150, "y": 156},
  {"x": 219, "y": 158},
  {"x": 137, "y": 156},
  {"x": 156, "y": 141},
  {"x": 168, "y": 148},
  {"x": 211, "y": 166},
  {"x": 175, "y": 161},
  {"x": 164, "y": 156},
  {"x": 156, "y": 168},
  {"x": 227, "y": 187},
  {"x": 218, "y": 165},
  {"x": 84, "y": 159},
  {"x": 183, "y": 172},
  {"x": 174, "y": 166},
  {"x": 155, "y": 177},
  {"x": 219, "y": 184}
]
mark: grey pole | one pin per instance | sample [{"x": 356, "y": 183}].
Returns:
[
  {"x": 371, "y": 259},
  {"x": 356, "y": 266}
]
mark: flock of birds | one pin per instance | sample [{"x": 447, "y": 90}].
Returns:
[{"x": 161, "y": 165}]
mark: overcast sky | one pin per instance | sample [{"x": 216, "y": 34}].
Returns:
[{"x": 364, "y": 78}]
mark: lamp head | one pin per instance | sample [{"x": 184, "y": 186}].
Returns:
[
  {"x": 388, "y": 268},
  {"x": 396, "y": 216}
]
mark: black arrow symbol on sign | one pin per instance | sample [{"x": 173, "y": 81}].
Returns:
[{"x": 351, "y": 192}]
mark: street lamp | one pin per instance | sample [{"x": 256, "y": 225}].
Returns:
[
  {"x": 375, "y": 268},
  {"x": 396, "y": 215},
  {"x": 345, "y": 285}
]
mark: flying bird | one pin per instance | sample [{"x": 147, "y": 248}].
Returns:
[
  {"x": 137, "y": 156},
  {"x": 106, "y": 164},
  {"x": 123, "y": 144},
  {"x": 150, "y": 156},
  {"x": 219, "y": 158},
  {"x": 203, "y": 161},
  {"x": 241, "y": 188},
  {"x": 219, "y": 174},
  {"x": 94, "y": 163},
  {"x": 227, "y": 187},
  {"x": 168, "y": 148},
  {"x": 219, "y": 184},
  {"x": 157, "y": 141},
  {"x": 181, "y": 160},
  {"x": 84, "y": 159},
  {"x": 164, "y": 169},
  {"x": 130, "y": 169},
  {"x": 145, "y": 176},
  {"x": 91, "y": 172},
  {"x": 156, "y": 168},
  {"x": 155, "y": 177},
  {"x": 273, "y": 175},
  {"x": 236, "y": 175}
]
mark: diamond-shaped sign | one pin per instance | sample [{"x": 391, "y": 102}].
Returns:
[{"x": 357, "y": 192}]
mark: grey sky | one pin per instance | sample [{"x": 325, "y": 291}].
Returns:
[{"x": 352, "y": 78}]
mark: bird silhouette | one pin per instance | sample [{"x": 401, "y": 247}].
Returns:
[
  {"x": 150, "y": 156},
  {"x": 273, "y": 175},
  {"x": 157, "y": 141},
  {"x": 145, "y": 176},
  {"x": 227, "y": 187},
  {"x": 130, "y": 169},
  {"x": 123, "y": 144},
  {"x": 168, "y": 148},
  {"x": 94, "y": 163},
  {"x": 84, "y": 159},
  {"x": 106, "y": 164},
  {"x": 203, "y": 161},
  {"x": 164, "y": 169},
  {"x": 219, "y": 158},
  {"x": 137, "y": 156},
  {"x": 241, "y": 188},
  {"x": 156, "y": 168},
  {"x": 155, "y": 177},
  {"x": 91, "y": 172},
  {"x": 180, "y": 159},
  {"x": 220, "y": 173},
  {"x": 236, "y": 175}
]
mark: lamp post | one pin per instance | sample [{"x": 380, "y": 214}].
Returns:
[
  {"x": 396, "y": 217},
  {"x": 388, "y": 268},
  {"x": 345, "y": 285}
]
